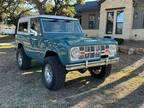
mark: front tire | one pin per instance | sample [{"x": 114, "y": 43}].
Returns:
[
  {"x": 53, "y": 73},
  {"x": 100, "y": 72},
  {"x": 23, "y": 61}
]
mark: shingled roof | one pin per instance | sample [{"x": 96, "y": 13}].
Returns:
[{"x": 88, "y": 6}]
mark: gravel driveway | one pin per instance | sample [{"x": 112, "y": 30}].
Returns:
[{"x": 23, "y": 89}]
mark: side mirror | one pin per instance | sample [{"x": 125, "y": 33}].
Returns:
[{"x": 33, "y": 32}]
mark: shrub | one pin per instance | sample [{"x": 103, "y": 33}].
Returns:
[{"x": 120, "y": 41}]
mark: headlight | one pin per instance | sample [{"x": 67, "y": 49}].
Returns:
[
  {"x": 112, "y": 50},
  {"x": 75, "y": 53}
]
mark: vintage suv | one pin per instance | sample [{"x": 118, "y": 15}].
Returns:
[{"x": 59, "y": 43}]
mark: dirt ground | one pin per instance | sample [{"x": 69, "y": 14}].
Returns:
[{"x": 124, "y": 88}]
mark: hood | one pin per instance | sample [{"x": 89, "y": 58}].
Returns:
[
  {"x": 84, "y": 41},
  {"x": 79, "y": 40}
]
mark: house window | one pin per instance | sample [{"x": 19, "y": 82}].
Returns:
[
  {"x": 110, "y": 22},
  {"x": 119, "y": 22},
  {"x": 92, "y": 21}
]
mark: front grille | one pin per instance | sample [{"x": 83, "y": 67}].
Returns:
[{"x": 91, "y": 52}]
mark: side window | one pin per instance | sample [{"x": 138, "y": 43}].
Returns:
[
  {"x": 35, "y": 25},
  {"x": 23, "y": 27}
]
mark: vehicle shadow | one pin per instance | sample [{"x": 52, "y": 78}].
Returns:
[
  {"x": 83, "y": 83},
  {"x": 34, "y": 74}
]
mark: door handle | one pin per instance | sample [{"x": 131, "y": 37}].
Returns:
[{"x": 34, "y": 39}]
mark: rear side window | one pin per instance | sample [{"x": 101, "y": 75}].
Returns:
[{"x": 23, "y": 27}]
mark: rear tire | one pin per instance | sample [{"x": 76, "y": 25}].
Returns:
[
  {"x": 23, "y": 61},
  {"x": 53, "y": 73},
  {"x": 82, "y": 70},
  {"x": 100, "y": 72}
]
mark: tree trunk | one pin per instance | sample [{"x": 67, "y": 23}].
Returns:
[
  {"x": 0, "y": 17},
  {"x": 39, "y": 6}
]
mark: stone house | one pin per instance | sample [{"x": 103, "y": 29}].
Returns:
[{"x": 117, "y": 18}]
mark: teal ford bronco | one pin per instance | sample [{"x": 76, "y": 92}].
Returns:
[{"x": 59, "y": 43}]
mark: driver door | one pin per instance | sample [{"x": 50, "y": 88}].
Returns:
[{"x": 35, "y": 37}]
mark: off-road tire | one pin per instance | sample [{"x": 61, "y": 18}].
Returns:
[
  {"x": 82, "y": 70},
  {"x": 26, "y": 61},
  {"x": 58, "y": 73},
  {"x": 104, "y": 72}
]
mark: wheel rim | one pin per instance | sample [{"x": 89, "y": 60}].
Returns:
[
  {"x": 48, "y": 73},
  {"x": 97, "y": 71},
  {"x": 19, "y": 59}
]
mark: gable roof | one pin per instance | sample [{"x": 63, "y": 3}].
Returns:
[{"x": 88, "y": 6}]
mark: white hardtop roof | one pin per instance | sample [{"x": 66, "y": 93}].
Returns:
[{"x": 47, "y": 16}]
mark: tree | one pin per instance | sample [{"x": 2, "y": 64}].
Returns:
[
  {"x": 57, "y": 7},
  {"x": 14, "y": 9}
]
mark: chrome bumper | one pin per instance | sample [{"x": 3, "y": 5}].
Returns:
[{"x": 91, "y": 64}]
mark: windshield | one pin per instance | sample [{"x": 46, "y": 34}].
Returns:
[{"x": 60, "y": 26}]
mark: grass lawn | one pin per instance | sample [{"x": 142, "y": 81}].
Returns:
[
  {"x": 6, "y": 35},
  {"x": 6, "y": 45},
  {"x": 5, "y": 41}
]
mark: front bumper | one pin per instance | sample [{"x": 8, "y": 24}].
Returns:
[{"x": 88, "y": 64}]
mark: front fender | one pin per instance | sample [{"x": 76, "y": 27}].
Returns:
[{"x": 60, "y": 49}]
